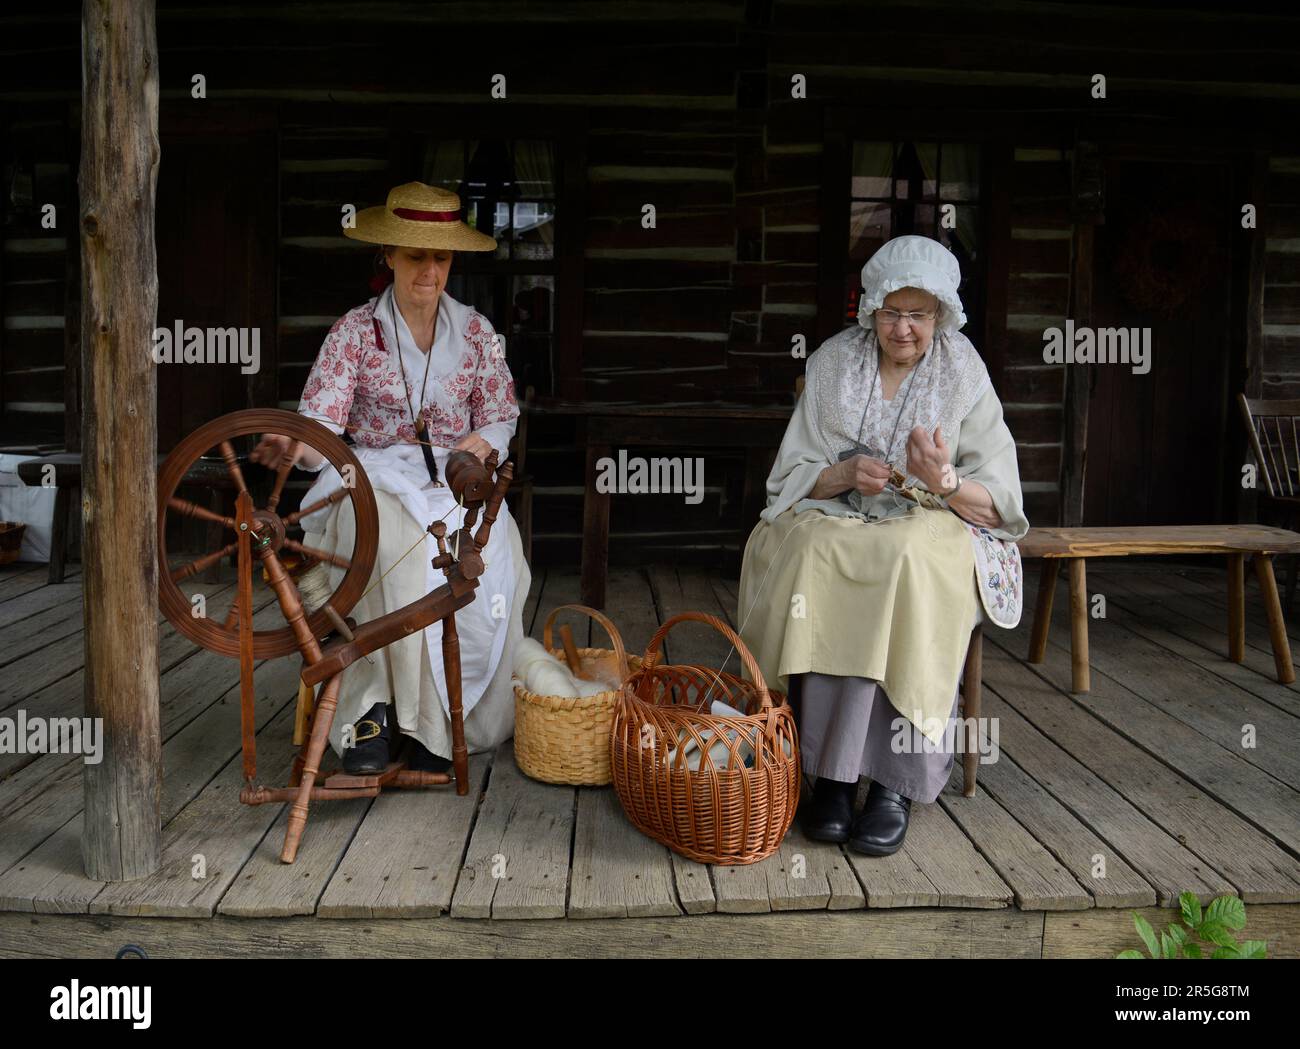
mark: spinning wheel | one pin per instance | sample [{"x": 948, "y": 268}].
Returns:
[
  {"x": 274, "y": 530},
  {"x": 260, "y": 535}
]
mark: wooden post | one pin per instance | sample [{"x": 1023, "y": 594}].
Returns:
[{"x": 122, "y": 838}]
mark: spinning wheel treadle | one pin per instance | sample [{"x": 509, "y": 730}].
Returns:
[{"x": 272, "y": 528}]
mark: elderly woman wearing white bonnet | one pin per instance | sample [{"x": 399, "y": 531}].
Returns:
[{"x": 892, "y": 511}]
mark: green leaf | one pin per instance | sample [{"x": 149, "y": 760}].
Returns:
[
  {"x": 1253, "y": 949},
  {"x": 1229, "y": 910},
  {"x": 1178, "y": 934},
  {"x": 1168, "y": 948},
  {"x": 1191, "y": 908},
  {"x": 1147, "y": 933},
  {"x": 1192, "y": 950},
  {"x": 1214, "y": 932},
  {"x": 1224, "y": 952},
  {"x": 1130, "y": 953}
]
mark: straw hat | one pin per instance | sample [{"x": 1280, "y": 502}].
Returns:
[{"x": 419, "y": 216}]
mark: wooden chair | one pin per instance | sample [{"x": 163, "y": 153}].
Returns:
[
  {"x": 1274, "y": 428},
  {"x": 520, "y": 496}
]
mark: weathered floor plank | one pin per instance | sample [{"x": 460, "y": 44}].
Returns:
[
  {"x": 517, "y": 862},
  {"x": 1173, "y": 622},
  {"x": 1209, "y": 705},
  {"x": 802, "y": 875},
  {"x": 1069, "y": 777},
  {"x": 1259, "y": 869},
  {"x": 808, "y": 934},
  {"x": 403, "y": 860},
  {"x": 267, "y": 888},
  {"x": 209, "y": 841},
  {"x": 1209, "y": 759},
  {"x": 618, "y": 872},
  {"x": 1068, "y": 840},
  {"x": 1038, "y": 880}
]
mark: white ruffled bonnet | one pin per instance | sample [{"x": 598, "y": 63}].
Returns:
[{"x": 913, "y": 262}]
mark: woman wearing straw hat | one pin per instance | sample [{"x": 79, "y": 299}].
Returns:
[{"x": 414, "y": 375}]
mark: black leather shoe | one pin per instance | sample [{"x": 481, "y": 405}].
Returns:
[
  {"x": 420, "y": 759},
  {"x": 882, "y": 825},
  {"x": 368, "y": 754},
  {"x": 831, "y": 810}
]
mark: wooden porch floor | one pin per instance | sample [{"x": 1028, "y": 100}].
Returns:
[{"x": 1121, "y": 798}]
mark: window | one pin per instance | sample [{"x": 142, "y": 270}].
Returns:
[
  {"x": 897, "y": 188},
  {"x": 509, "y": 185}
]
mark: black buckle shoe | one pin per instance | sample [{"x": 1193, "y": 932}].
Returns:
[
  {"x": 368, "y": 754},
  {"x": 882, "y": 826},
  {"x": 420, "y": 759},
  {"x": 830, "y": 812}
]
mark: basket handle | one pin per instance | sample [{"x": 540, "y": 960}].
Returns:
[
  {"x": 652, "y": 652},
  {"x": 620, "y": 653}
]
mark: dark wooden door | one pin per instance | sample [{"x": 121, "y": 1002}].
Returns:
[
  {"x": 1155, "y": 452},
  {"x": 217, "y": 234}
]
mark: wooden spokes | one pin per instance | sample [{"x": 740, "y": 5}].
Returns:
[
  {"x": 223, "y": 635},
  {"x": 319, "y": 555}
]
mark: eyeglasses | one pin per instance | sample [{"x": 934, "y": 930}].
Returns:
[{"x": 891, "y": 317}]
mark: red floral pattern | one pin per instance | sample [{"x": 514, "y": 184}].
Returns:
[{"x": 354, "y": 383}]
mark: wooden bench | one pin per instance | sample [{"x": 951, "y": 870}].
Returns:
[{"x": 1076, "y": 545}]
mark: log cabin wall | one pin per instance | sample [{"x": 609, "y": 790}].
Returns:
[
  {"x": 39, "y": 353},
  {"x": 1281, "y": 319},
  {"x": 687, "y": 107}
]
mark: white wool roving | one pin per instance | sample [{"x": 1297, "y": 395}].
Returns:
[{"x": 541, "y": 673}]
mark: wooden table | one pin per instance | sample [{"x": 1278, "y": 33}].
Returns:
[
  {"x": 1076, "y": 545},
  {"x": 694, "y": 428}
]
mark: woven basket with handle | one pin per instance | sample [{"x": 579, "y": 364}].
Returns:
[
  {"x": 717, "y": 789},
  {"x": 565, "y": 739}
]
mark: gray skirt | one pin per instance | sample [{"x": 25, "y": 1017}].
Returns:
[{"x": 846, "y": 730}]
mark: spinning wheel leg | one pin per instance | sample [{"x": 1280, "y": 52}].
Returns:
[
  {"x": 451, "y": 665},
  {"x": 320, "y": 730}
]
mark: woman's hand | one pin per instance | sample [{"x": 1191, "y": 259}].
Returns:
[
  {"x": 861, "y": 473},
  {"x": 273, "y": 449},
  {"x": 928, "y": 460},
  {"x": 474, "y": 443}
]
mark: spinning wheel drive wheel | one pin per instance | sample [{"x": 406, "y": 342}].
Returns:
[{"x": 272, "y": 529}]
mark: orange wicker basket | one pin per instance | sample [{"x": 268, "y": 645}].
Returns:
[{"x": 717, "y": 789}]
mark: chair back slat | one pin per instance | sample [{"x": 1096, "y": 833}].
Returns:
[{"x": 1268, "y": 443}]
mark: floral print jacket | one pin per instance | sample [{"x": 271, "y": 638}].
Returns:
[{"x": 357, "y": 383}]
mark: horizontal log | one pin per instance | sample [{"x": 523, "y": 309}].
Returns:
[
  {"x": 625, "y": 199},
  {"x": 1039, "y": 462},
  {"x": 667, "y": 310},
  {"x": 715, "y": 230},
  {"x": 1038, "y": 256},
  {"x": 1038, "y": 294},
  {"x": 1034, "y": 425},
  {"x": 650, "y": 351},
  {"x": 796, "y": 247},
  {"x": 1281, "y": 267},
  {"x": 628, "y": 274},
  {"x": 1032, "y": 385}
]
